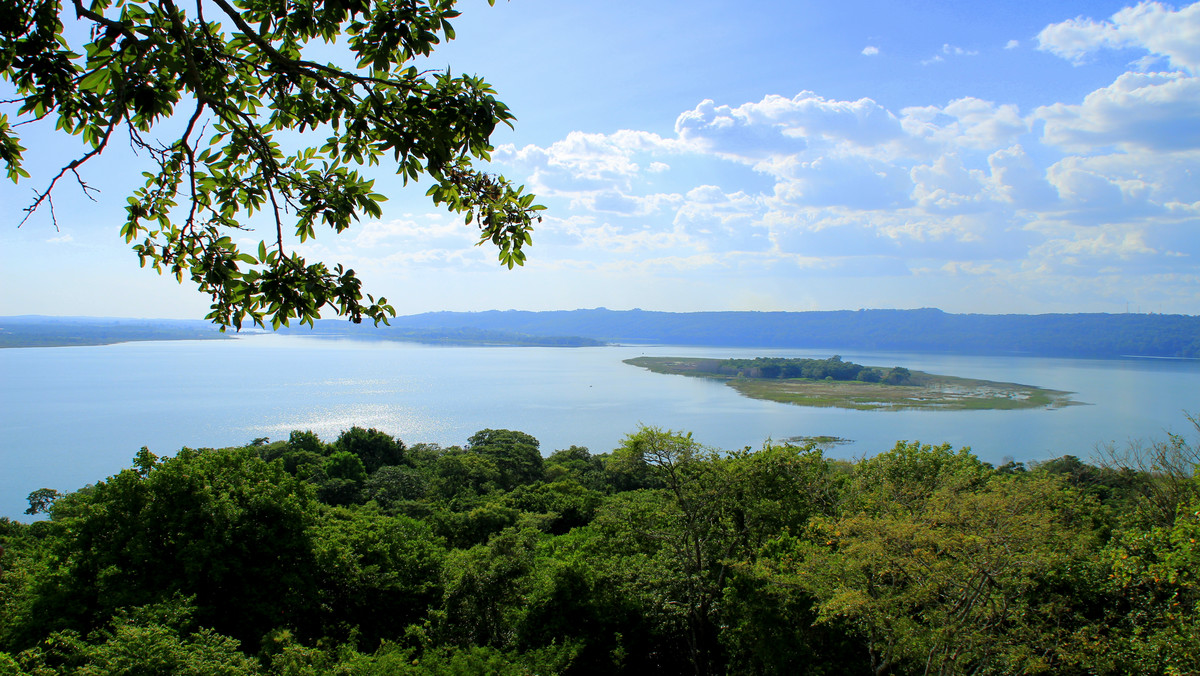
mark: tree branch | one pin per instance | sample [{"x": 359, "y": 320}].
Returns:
[{"x": 71, "y": 167}]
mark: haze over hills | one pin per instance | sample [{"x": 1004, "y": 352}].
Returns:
[{"x": 922, "y": 330}]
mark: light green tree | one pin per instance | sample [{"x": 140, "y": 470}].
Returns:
[{"x": 941, "y": 565}]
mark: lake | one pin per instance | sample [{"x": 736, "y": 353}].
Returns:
[{"x": 74, "y": 415}]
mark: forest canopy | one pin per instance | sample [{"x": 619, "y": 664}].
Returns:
[{"x": 366, "y": 555}]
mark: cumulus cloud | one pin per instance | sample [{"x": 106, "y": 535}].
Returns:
[
  {"x": 583, "y": 160},
  {"x": 1012, "y": 44},
  {"x": 1018, "y": 181},
  {"x": 780, "y": 126},
  {"x": 967, "y": 122},
  {"x": 946, "y": 186},
  {"x": 870, "y": 50},
  {"x": 1160, "y": 111},
  {"x": 1153, "y": 26},
  {"x": 967, "y": 187}
]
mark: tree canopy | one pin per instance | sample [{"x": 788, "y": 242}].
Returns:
[
  {"x": 663, "y": 556},
  {"x": 216, "y": 99}
]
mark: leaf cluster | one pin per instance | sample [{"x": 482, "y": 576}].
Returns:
[{"x": 235, "y": 94}]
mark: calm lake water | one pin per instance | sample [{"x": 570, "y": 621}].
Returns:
[{"x": 74, "y": 415}]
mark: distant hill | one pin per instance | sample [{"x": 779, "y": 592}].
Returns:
[
  {"x": 923, "y": 330},
  {"x": 40, "y": 331},
  {"x": 436, "y": 335}
]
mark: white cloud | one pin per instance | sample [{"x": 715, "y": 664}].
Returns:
[
  {"x": 1153, "y": 26},
  {"x": 778, "y": 126},
  {"x": 952, "y": 50},
  {"x": 1018, "y": 181},
  {"x": 584, "y": 160},
  {"x": 716, "y": 221},
  {"x": 967, "y": 122},
  {"x": 1084, "y": 247},
  {"x": 63, "y": 238},
  {"x": 1012, "y": 44},
  {"x": 946, "y": 186},
  {"x": 1159, "y": 111},
  {"x": 968, "y": 188},
  {"x": 870, "y": 50}
]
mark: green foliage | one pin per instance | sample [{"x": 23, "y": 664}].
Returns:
[
  {"x": 290, "y": 658},
  {"x": 305, "y": 441},
  {"x": 376, "y": 449},
  {"x": 566, "y": 503},
  {"x": 155, "y": 640},
  {"x": 345, "y": 465},
  {"x": 392, "y": 485},
  {"x": 42, "y": 500},
  {"x": 462, "y": 473},
  {"x": 832, "y": 368},
  {"x": 344, "y": 475},
  {"x": 377, "y": 574},
  {"x": 222, "y": 526},
  {"x": 907, "y": 475},
  {"x": 233, "y": 98},
  {"x": 680, "y": 559},
  {"x": 939, "y": 564},
  {"x": 578, "y": 464},
  {"x": 515, "y": 454}
]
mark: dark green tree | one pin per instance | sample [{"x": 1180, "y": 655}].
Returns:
[
  {"x": 221, "y": 526},
  {"x": 344, "y": 476},
  {"x": 515, "y": 454},
  {"x": 378, "y": 573},
  {"x": 235, "y": 91},
  {"x": 305, "y": 441},
  {"x": 373, "y": 447}
]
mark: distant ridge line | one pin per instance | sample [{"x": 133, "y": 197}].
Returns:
[
  {"x": 1100, "y": 335},
  {"x": 1086, "y": 335}
]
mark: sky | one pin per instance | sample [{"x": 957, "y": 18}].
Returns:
[{"x": 1014, "y": 157}]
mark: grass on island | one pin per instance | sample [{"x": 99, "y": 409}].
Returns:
[{"x": 923, "y": 390}]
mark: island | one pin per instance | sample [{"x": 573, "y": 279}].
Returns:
[{"x": 836, "y": 383}]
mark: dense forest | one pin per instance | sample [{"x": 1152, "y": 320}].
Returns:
[
  {"x": 833, "y": 368},
  {"x": 368, "y": 556}
]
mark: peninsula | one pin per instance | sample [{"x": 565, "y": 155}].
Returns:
[{"x": 841, "y": 384}]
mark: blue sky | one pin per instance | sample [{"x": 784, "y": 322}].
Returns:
[{"x": 977, "y": 157}]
